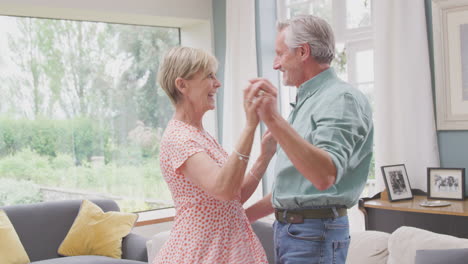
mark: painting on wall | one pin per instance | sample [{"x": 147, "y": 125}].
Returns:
[
  {"x": 450, "y": 31},
  {"x": 464, "y": 58}
]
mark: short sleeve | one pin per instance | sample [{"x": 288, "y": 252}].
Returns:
[
  {"x": 339, "y": 130},
  {"x": 180, "y": 151}
]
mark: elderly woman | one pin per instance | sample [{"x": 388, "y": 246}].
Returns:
[{"x": 208, "y": 185}]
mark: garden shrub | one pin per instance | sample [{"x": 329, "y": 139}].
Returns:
[
  {"x": 62, "y": 161},
  {"x": 18, "y": 192},
  {"x": 58, "y": 154},
  {"x": 80, "y": 138},
  {"x": 43, "y": 138}
]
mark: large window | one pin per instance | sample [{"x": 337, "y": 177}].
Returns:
[
  {"x": 81, "y": 112},
  {"x": 354, "y": 62}
]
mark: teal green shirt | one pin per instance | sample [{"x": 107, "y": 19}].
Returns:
[{"x": 335, "y": 117}]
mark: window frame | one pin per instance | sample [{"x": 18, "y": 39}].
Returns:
[{"x": 194, "y": 32}]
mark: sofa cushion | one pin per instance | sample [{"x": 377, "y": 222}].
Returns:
[
  {"x": 48, "y": 221},
  {"x": 134, "y": 247},
  {"x": 368, "y": 247},
  {"x": 405, "y": 241},
  {"x": 154, "y": 245},
  {"x": 264, "y": 232},
  {"x": 11, "y": 249},
  {"x": 87, "y": 260},
  {"x": 97, "y": 233},
  {"x": 436, "y": 256}
]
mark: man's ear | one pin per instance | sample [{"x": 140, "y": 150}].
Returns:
[
  {"x": 180, "y": 85},
  {"x": 304, "y": 51}
]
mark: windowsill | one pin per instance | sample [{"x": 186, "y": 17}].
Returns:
[{"x": 155, "y": 217}]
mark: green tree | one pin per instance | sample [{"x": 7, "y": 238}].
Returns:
[
  {"x": 105, "y": 72},
  {"x": 84, "y": 57},
  {"x": 136, "y": 91},
  {"x": 29, "y": 58}
]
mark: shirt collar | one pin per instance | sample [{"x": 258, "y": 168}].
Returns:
[{"x": 312, "y": 85}]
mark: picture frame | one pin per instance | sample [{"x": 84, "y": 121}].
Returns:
[
  {"x": 397, "y": 182},
  {"x": 446, "y": 183},
  {"x": 450, "y": 34}
]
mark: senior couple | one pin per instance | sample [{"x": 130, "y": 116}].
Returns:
[{"x": 323, "y": 153}]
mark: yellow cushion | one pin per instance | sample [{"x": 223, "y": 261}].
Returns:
[
  {"x": 97, "y": 233},
  {"x": 11, "y": 249}
]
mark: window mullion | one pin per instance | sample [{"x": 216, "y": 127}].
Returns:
[
  {"x": 281, "y": 9},
  {"x": 339, "y": 19}
]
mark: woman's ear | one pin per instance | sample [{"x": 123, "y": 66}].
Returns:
[{"x": 180, "y": 85}]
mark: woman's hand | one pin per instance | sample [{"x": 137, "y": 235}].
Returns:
[{"x": 250, "y": 106}]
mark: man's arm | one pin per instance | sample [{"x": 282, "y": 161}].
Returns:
[
  {"x": 260, "y": 209},
  {"x": 313, "y": 163}
]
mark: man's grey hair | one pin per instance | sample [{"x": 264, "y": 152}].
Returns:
[{"x": 312, "y": 30}]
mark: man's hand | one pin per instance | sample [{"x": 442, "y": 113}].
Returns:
[{"x": 267, "y": 94}]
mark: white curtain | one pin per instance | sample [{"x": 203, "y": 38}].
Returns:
[
  {"x": 404, "y": 116},
  {"x": 240, "y": 66}
]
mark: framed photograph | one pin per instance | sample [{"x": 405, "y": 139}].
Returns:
[
  {"x": 446, "y": 183},
  {"x": 397, "y": 183},
  {"x": 450, "y": 32}
]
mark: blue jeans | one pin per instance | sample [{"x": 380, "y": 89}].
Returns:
[{"x": 321, "y": 241}]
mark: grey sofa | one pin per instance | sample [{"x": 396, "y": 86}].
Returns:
[{"x": 41, "y": 228}]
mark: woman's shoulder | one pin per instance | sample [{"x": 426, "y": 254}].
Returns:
[
  {"x": 177, "y": 132},
  {"x": 174, "y": 131}
]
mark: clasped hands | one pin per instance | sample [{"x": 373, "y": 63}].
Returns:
[{"x": 260, "y": 97}]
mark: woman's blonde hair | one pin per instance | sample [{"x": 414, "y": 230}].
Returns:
[{"x": 183, "y": 62}]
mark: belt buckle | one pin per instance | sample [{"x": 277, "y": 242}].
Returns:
[{"x": 294, "y": 219}]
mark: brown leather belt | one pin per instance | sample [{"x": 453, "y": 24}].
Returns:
[{"x": 298, "y": 216}]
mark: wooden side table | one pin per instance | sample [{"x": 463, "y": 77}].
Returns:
[{"x": 386, "y": 216}]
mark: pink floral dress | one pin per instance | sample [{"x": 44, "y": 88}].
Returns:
[{"x": 205, "y": 230}]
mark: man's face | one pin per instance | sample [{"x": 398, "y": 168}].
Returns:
[{"x": 287, "y": 61}]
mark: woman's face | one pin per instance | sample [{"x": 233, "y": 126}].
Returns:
[{"x": 201, "y": 91}]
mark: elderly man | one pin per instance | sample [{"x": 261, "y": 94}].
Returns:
[{"x": 325, "y": 147}]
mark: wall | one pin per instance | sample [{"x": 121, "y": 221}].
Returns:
[
  {"x": 200, "y": 9},
  {"x": 453, "y": 145}
]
